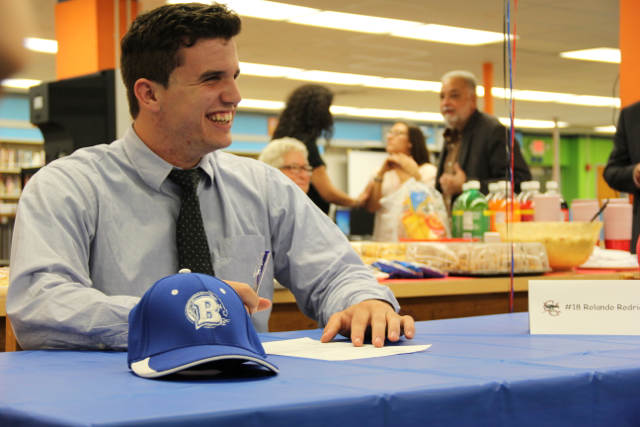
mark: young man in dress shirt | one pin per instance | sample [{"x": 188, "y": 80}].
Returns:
[{"x": 96, "y": 229}]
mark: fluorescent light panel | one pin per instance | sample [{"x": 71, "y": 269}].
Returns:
[
  {"x": 340, "y": 110},
  {"x": 600, "y": 54},
  {"x": 605, "y": 129},
  {"x": 396, "y": 114},
  {"x": 20, "y": 83},
  {"x": 532, "y": 124},
  {"x": 446, "y": 34},
  {"x": 262, "y": 105},
  {"x": 262, "y": 70},
  {"x": 378, "y": 113},
  {"x": 331, "y": 77},
  {"x": 560, "y": 98},
  {"x": 418, "y": 85},
  {"x": 406, "y": 84},
  {"x": 41, "y": 45},
  {"x": 352, "y": 22},
  {"x": 262, "y": 9},
  {"x": 359, "y": 23}
]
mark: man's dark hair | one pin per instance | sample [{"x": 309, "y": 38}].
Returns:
[
  {"x": 306, "y": 116},
  {"x": 419, "y": 150},
  {"x": 151, "y": 47}
]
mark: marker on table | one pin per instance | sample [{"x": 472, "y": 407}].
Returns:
[{"x": 259, "y": 273}]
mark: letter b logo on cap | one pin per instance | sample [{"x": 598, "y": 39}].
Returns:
[{"x": 205, "y": 309}]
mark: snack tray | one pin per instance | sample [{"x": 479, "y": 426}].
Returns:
[{"x": 468, "y": 258}]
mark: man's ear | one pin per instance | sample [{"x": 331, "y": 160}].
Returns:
[{"x": 146, "y": 92}]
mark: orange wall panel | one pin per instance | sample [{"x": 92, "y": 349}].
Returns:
[
  {"x": 77, "y": 35},
  {"x": 630, "y": 50},
  {"x": 86, "y": 35}
]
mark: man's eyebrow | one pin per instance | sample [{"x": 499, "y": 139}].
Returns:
[{"x": 211, "y": 73}]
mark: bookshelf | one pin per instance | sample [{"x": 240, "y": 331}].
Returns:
[{"x": 15, "y": 155}]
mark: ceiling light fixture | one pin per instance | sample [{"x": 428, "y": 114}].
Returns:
[
  {"x": 248, "y": 68},
  {"x": 261, "y": 105},
  {"x": 360, "y": 23},
  {"x": 560, "y": 98},
  {"x": 352, "y": 22},
  {"x": 532, "y": 124},
  {"x": 406, "y": 84},
  {"x": 261, "y": 9},
  {"x": 340, "y": 110},
  {"x": 600, "y": 54},
  {"x": 605, "y": 129},
  {"x": 376, "y": 113},
  {"x": 446, "y": 34},
  {"x": 41, "y": 45},
  {"x": 331, "y": 77},
  {"x": 19, "y": 83}
]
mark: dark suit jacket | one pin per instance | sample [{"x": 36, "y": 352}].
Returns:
[
  {"x": 483, "y": 154},
  {"x": 623, "y": 158}
]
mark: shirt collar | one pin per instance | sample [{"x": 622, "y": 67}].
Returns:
[
  {"x": 152, "y": 168},
  {"x": 452, "y": 134}
]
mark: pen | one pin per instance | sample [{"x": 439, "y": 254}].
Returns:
[{"x": 259, "y": 273}]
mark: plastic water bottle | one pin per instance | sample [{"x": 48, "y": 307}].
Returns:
[
  {"x": 525, "y": 198},
  {"x": 552, "y": 188}
]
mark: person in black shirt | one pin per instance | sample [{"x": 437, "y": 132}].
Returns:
[{"x": 306, "y": 117}]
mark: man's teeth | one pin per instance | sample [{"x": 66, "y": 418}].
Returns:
[{"x": 221, "y": 117}]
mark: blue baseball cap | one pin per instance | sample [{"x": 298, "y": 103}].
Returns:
[{"x": 189, "y": 319}]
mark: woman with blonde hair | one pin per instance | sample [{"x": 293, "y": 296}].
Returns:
[{"x": 290, "y": 156}]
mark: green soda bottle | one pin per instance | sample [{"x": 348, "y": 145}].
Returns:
[
  {"x": 476, "y": 214},
  {"x": 457, "y": 213}
]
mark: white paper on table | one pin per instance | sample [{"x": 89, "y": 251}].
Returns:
[
  {"x": 312, "y": 349},
  {"x": 610, "y": 258}
]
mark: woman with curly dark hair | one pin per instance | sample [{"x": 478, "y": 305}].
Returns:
[{"x": 306, "y": 117}]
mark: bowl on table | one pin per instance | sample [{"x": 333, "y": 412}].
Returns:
[{"x": 568, "y": 244}]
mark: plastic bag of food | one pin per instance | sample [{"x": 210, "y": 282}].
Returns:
[
  {"x": 416, "y": 211},
  {"x": 397, "y": 270}
]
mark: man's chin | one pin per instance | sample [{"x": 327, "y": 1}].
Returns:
[{"x": 451, "y": 123}]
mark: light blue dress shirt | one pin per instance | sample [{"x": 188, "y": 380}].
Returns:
[{"x": 96, "y": 229}]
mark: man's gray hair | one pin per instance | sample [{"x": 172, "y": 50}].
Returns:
[
  {"x": 468, "y": 77},
  {"x": 273, "y": 154}
]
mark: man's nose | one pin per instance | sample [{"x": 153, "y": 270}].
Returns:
[{"x": 231, "y": 94}]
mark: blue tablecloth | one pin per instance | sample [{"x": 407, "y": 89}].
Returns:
[{"x": 480, "y": 371}]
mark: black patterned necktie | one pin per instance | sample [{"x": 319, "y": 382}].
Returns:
[{"x": 193, "y": 248}]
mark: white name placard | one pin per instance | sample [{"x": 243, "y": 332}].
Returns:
[{"x": 584, "y": 307}]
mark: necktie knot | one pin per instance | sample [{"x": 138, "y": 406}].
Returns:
[{"x": 188, "y": 179}]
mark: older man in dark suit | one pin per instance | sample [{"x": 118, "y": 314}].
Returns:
[
  {"x": 623, "y": 168},
  {"x": 475, "y": 145}
]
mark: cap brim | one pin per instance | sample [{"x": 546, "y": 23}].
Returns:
[{"x": 187, "y": 357}]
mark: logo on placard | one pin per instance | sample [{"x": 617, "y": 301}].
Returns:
[
  {"x": 553, "y": 308},
  {"x": 205, "y": 309}
]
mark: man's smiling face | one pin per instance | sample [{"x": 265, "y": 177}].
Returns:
[{"x": 199, "y": 103}]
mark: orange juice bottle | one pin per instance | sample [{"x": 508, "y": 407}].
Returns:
[
  {"x": 493, "y": 189},
  {"x": 500, "y": 206},
  {"x": 498, "y": 190}
]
